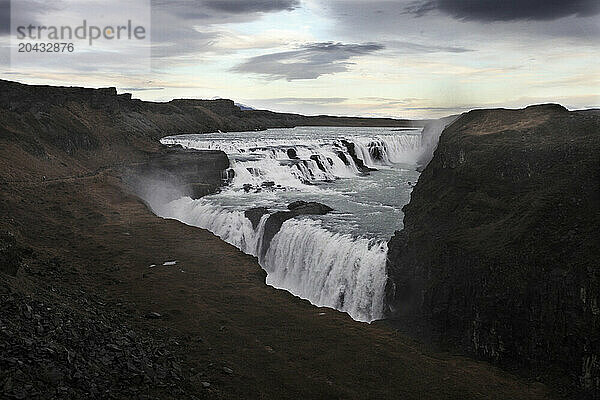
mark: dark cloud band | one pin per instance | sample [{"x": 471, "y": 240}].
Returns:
[
  {"x": 250, "y": 6},
  {"x": 507, "y": 10}
]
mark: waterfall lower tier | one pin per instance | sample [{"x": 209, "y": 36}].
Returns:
[{"x": 326, "y": 268}]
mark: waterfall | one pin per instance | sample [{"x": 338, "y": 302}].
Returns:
[
  {"x": 329, "y": 269},
  {"x": 308, "y": 258},
  {"x": 388, "y": 149},
  {"x": 431, "y": 136}
]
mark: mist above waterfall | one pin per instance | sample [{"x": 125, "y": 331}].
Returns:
[{"x": 430, "y": 136}]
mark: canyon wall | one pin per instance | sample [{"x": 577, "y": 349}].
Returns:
[{"x": 499, "y": 251}]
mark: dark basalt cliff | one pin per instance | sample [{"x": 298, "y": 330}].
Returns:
[
  {"x": 499, "y": 251},
  {"x": 176, "y": 172}
]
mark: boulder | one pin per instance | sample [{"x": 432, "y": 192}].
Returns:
[
  {"x": 292, "y": 154},
  {"x": 317, "y": 160},
  {"x": 342, "y": 156},
  {"x": 309, "y": 208}
]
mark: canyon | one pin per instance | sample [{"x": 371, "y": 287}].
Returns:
[{"x": 497, "y": 258}]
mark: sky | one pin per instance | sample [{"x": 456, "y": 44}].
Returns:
[{"x": 403, "y": 58}]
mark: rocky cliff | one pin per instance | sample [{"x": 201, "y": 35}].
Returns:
[{"x": 499, "y": 251}]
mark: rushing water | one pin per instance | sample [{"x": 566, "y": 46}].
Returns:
[{"x": 335, "y": 260}]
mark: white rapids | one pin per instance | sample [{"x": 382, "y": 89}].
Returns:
[{"x": 336, "y": 260}]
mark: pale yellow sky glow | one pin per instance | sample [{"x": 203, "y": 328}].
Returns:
[{"x": 363, "y": 58}]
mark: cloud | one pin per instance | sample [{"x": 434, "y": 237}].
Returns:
[
  {"x": 386, "y": 102},
  {"x": 410, "y": 47},
  {"x": 176, "y": 40},
  {"x": 222, "y": 11},
  {"x": 448, "y": 109},
  {"x": 181, "y": 29},
  {"x": 252, "y": 6},
  {"x": 309, "y": 62},
  {"x": 464, "y": 23},
  {"x": 28, "y": 12},
  {"x": 140, "y": 89},
  {"x": 507, "y": 10}
]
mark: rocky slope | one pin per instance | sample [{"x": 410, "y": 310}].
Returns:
[
  {"x": 500, "y": 248},
  {"x": 100, "y": 299}
]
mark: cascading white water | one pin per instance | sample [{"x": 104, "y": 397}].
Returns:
[
  {"x": 230, "y": 225},
  {"x": 388, "y": 149},
  {"x": 330, "y": 260},
  {"x": 330, "y": 269},
  {"x": 258, "y": 160}
]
